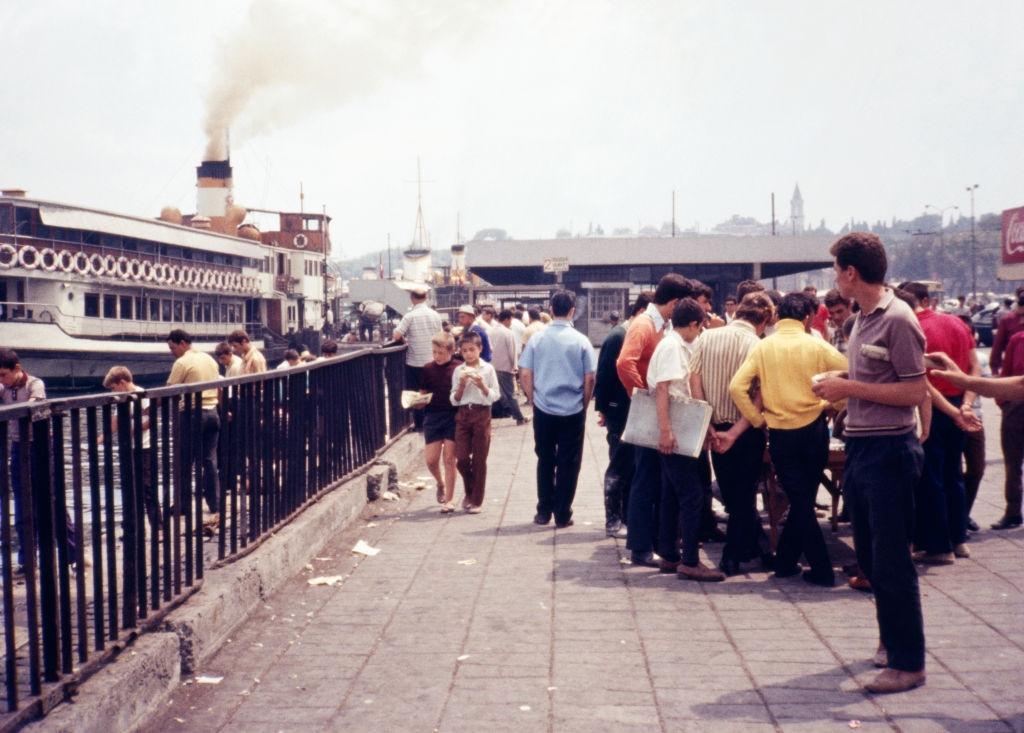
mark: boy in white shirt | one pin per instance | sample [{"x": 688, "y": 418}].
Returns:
[
  {"x": 474, "y": 389},
  {"x": 682, "y": 492}
]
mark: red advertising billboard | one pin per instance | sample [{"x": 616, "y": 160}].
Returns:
[{"x": 1013, "y": 236}]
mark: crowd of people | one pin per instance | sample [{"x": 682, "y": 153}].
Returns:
[{"x": 874, "y": 371}]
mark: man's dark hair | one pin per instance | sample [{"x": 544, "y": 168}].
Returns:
[
  {"x": 811, "y": 290},
  {"x": 700, "y": 289},
  {"x": 329, "y": 347},
  {"x": 730, "y": 299},
  {"x": 504, "y": 315},
  {"x": 748, "y": 286},
  {"x": 238, "y": 336},
  {"x": 291, "y": 354},
  {"x": 534, "y": 314},
  {"x": 488, "y": 309},
  {"x": 918, "y": 290},
  {"x": 864, "y": 252},
  {"x": 796, "y": 306},
  {"x": 642, "y": 301},
  {"x": 672, "y": 287},
  {"x": 562, "y": 302},
  {"x": 907, "y": 297},
  {"x": 687, "y": 311},
  {"x": 8, "y": 359},
  {"x": 756, "y": 308},
  {"x": 775, "y": 296},
  {"x": 833, "y": 298},
  {"x": 179, "y": 336},
  {"x": 222, "y": 349},
  {"x": 518, "y": 313},
  {"x": 470, "y": 337}
]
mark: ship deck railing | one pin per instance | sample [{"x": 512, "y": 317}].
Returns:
[{"x": 101, "y": 563}]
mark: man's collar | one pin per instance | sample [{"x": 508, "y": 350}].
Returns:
[
  {"x": 746, "y": 325},
  {"x": 884, "y": 302},
  {"x": 789, "y": 325},
  {"x": 655, "y": 315}
]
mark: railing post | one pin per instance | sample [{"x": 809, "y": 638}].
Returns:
[
  {"x": 42, "y": 491},
  {"x": 129, "y": 522},
  {"x": 10, "y": 646}
]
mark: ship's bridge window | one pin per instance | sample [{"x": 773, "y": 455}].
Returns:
[
  {"x": 165, "y": 310},
  {"x": 178, "y": 315},
  {"x": 188, "y": 312},
  {"x": 154, "y": 309},
  {"x": 140, "y": 310},
  {"x": 127, "y": 309},
  {"x": 110, "y": 306},
  {"x": 208, "y": 312},
  {"x": 92, "y": 305}
]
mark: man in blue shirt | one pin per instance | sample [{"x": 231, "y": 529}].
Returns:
[
  {"x": 467, "y": 319},
  {"x": 557, "y": 374}
]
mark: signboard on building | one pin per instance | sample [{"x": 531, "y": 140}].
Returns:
[
  {"x": 556, "y": 264},
  {"x": 1012, "y": 245}
]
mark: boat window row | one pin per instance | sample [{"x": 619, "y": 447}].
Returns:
[{"x": 135, "y": 308}]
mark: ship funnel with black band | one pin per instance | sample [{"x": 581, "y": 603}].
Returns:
[{"x": 213, "y": 197}]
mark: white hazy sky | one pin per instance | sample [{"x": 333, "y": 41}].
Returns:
[{"x": 528, "y": 116}]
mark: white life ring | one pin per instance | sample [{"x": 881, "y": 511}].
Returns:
[
  {"x": 123, "y": 269},
  {"x": 96, "y": 264},
  {"x": 218, "y": 280},
  {"x": 66, "y": 261},
  {"x": 300, "y": 241},
  {"x": 28, "y": 257},
  {"x": 233, "y": 280},
  {"x": 208, "y": 278},
  {"x": 174, "y": 274},
  {"x": 135, "y": 270},
  {"x": 81, "y": 263},
  {"x": 48, "y": 259},
  {"x": 147, "y": 271},
  {"x": 160, "y": 272},
  {"x": 8, "y": 256},
  {"x": 110, "y": 265}
]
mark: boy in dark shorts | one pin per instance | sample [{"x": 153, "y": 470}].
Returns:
[{"x": 439, "y": 418}]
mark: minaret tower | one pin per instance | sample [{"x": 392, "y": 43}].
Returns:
[{"x": 796, "y": 211}]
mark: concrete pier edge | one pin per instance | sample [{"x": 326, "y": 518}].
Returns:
[{"x": 122, "y": 695}]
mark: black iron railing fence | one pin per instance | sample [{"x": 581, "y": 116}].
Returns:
[{"x": 111, "y": 496}]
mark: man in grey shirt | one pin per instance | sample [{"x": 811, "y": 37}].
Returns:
[
  {"x": 505, "y": 360},
  {"x": 883, "y": 456}
]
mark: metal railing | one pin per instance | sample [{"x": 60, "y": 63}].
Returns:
[{"x": 110, "y": 491}]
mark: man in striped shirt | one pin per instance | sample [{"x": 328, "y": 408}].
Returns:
[
  {"x": 738, "y": 448},
  {"x": 417, "y": 327}
]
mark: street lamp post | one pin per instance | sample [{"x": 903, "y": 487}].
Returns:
[
  {"x": 974, "y": 270},
  {"x": 942, "y": 216}
]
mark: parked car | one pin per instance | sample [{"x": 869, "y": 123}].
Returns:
[{"x": 984, "y": 324}]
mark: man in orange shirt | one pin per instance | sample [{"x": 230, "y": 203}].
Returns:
[{"x": 645, "y": 331}]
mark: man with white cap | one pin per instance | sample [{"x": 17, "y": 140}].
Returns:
[
  {"x": 467, "y": 319},
  {"x": 417, "y": 327}
]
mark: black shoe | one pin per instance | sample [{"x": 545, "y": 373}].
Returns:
[
  {"x": 541, "y": 519},
  {"x": 565, "y": 524},
  {"x": 1007, "y": 523},
  {"x": 523, "y": 421},
  {"x": 644, "y": 559},
  {"x": 713, "y": 535},
  {"x": 826, "y": 581},
  {"x": 787, "y": 572},
  {"x": 729, "y": 567},
  {"x": 613, "y": 528},
  {"x": 767, "y": 561},
  {"x": 972, "y": 526}
]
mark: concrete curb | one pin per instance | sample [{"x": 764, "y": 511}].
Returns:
[{"x": 120, "y": 696}]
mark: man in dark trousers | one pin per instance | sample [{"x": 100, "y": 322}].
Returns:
[
  {"x": 612, "y": 404},
  {"x": 557, "y": 373},
  {"x": 886, "y": 381}
]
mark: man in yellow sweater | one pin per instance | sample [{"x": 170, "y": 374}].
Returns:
[{"x": 784, "y": 364}]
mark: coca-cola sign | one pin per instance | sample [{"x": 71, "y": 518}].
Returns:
[{"x": 1013, "y": 236}]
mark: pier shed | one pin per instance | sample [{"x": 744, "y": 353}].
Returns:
[{"x": 605, "y": 272}]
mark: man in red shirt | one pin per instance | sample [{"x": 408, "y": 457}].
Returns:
[
  {"x": 941, "y": 528},
  {"x": 1011, "y": 323},
  {"x": 645, "y": 331}
]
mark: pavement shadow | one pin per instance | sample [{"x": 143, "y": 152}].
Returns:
[{"x": 805, "y": 699}]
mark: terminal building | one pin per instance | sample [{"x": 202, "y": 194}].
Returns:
[{"x": 607, "y": 273}]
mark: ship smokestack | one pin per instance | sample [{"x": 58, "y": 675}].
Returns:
[
  {"x": 214, "y": 192},
  {"x": 458, "y": 271}
]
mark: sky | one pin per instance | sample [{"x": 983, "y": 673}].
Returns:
[{"x": 527, "y": 115}]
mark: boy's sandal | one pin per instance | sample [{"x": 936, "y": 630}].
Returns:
[
  {"x": 447, "y": 508},
  {"x": 473, "y": 510}
]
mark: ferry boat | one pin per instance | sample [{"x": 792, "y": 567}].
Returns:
[{"x": 83, "y": 289}]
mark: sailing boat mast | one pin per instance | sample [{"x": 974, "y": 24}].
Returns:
[{"x": 420, "y": 239}]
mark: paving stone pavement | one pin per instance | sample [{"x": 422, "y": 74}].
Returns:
[{"x": 490, "y": 623}]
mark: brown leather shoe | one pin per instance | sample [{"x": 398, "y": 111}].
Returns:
[
  {"x": 895, "y": 680},
  {"x": 934, "y": 558},
  {"x": 701, "y": 573},
  {"x": 667, "y": 566}
]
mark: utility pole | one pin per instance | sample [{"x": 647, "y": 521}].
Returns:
[
  {"x": 974, "y": 247},
  {"x": 673, "y": 212}
]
